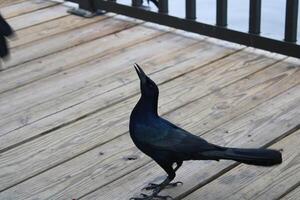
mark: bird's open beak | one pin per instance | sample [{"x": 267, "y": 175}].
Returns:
[{"x": 141, "y": 73}]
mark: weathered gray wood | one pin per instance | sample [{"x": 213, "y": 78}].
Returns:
[
  {"x": 37, "y": 17},
  {"x": 94, "y": 130},
  {"x": 275, "y": 116},
  {"x": 66, "y": 40},
  {"x": 24, "y": 7},
  {"x": 251, "y": 182}
]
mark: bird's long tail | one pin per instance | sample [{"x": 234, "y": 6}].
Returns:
[{"x": 261, "y": 157}]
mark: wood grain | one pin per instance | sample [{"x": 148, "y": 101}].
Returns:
[{"x": 252, "y": 182}]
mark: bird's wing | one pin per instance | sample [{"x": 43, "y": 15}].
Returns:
[{"x": 166, "y": 136}]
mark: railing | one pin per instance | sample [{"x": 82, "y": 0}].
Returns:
[{"x": 287, "y": 46}]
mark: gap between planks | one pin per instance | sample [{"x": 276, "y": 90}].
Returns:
[{"x": 292, "y": 195}]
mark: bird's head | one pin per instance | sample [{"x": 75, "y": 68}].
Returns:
[{"x": 148, "y": 88}]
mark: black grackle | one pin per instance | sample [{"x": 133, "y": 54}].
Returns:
[
  {"x": 5, "y": 31},
  {"x": 168, "y": 144}
]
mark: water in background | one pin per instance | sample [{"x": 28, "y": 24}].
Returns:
[{"x": 273, "y": 15}]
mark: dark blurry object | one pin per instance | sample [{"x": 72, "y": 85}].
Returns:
[{"x": 5, "y": 31}]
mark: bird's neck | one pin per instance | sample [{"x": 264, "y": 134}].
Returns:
[{"x": 147, "y": 106}]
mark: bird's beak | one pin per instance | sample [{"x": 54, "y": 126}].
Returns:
[{"x": 141, "y": 73}]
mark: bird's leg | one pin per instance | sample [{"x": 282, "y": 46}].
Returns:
[
  {"x": 157, "y": 188},
  {"x": 167, "y": 181}
]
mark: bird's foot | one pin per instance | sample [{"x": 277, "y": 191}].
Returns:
[
  {"x": 152, "y": 197},
  {"x": 153, "y": 186}
]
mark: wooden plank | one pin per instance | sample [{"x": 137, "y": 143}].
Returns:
[
  {"x": 93, "y": 130},
  {"x": 252, "y": 182},
  {"x": 47, "y": 29},
  {"x": 37, "y": 17},
  {"x": 66, "y": 40},
  {"x": 293, "y": 195},
  {"x": 24, "y": 7},
  {"x": 277, "y": 116}
]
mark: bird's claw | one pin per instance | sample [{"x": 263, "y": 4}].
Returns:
[
  {"x": 175, "y": 184},
  {"x": 153, "y": 186},
  {"x": 152, "y": 197}
]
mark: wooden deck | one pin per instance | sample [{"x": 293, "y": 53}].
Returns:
[{"x": 67, "y": 92}]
